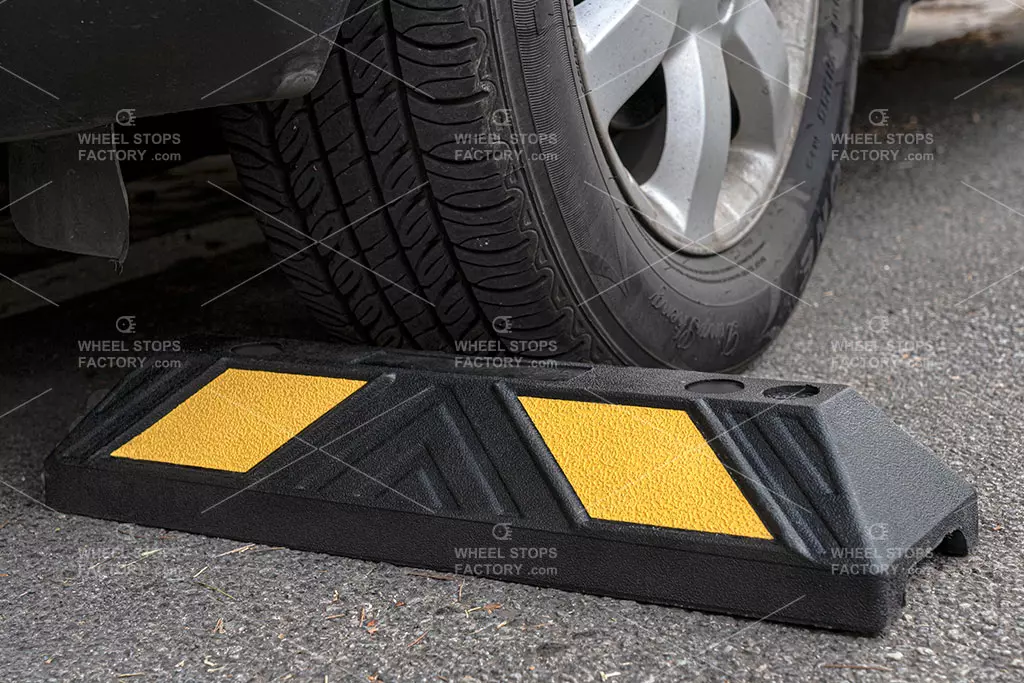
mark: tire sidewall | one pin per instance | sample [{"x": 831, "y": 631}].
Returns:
[{"x": 648, "y": 304}]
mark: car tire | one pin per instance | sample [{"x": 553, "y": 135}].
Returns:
[{"x": 445, "y": 187}]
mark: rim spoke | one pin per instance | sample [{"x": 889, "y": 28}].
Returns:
[
  {"x": 758, "y": 66},
  {"x": 623, "y": 43},
  {"x": 685, "y": 186},
  {"x": 701, "y": 161}
]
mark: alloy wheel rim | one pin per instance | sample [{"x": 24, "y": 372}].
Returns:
[{"x": 697, "y": 103}]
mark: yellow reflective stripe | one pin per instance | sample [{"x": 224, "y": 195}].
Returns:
[
  {"x": 643, "y": 465},
  {"x": 238, "y": 419}
]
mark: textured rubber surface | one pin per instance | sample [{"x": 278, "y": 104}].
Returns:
[
  {"x": 443, "y": 246},
  {"x": 601, "y": 448},
  {"x": 223, "y": 426},
  {"x": 437, "y": 465}
]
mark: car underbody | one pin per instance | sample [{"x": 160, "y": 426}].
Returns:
[{"x": 87, "y": 64}]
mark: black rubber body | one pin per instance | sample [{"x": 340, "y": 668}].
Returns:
[
  {"x": 431, "y": 457},
  {"x": 448, "y": 156}
]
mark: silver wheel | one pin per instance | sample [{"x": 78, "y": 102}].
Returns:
[{"x": 697, "y": 103}]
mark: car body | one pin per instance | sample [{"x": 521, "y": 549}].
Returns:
[{"x": 644, "y": 182}]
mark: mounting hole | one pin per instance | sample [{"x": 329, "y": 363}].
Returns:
[
  {"x": 791, "y": 391},
  {"x": 955, "y": 543},
  {"x": 257, "y": 350},
  {"x": 715, "y": 386}
]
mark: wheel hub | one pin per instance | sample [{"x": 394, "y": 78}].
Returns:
[{"x": 700, "y": 165}]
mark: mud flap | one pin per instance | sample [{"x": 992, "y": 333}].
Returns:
[{"x": 65, "y": 200}]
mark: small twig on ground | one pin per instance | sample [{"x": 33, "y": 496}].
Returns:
[
  {"x": 241, "y": 549},
  {"x": 490, "y": 608},
  {"x": 214, "y": 588}
]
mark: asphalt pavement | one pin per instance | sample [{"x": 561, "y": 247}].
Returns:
[{"x": 916, "y": 301}]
